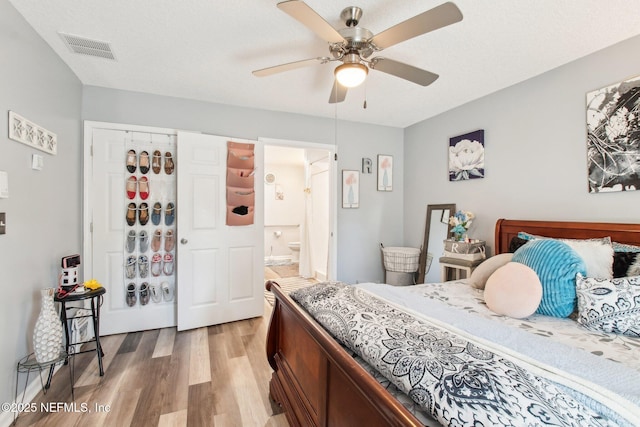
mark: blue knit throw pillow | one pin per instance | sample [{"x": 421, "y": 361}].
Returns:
[{"x": 557, "y": 265}]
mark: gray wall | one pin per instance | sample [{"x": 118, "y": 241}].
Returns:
[
  {"x": 44, "y": 208},
  {"x": 360, "y": 231},
  {"x": 535, "y": 151},
  {"x": 535, "y": 163}
]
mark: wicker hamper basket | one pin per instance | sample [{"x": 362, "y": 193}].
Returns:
[{"x": 401, "y": 260}]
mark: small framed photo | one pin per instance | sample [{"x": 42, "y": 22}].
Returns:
[
  {"x": 350, "y": 189},
  {"x": 385, "y": 172}
]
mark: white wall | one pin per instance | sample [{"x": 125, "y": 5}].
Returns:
[
  {"x": 44, "y": 214},
  {"x": 284, "y": 215},
  {"x": 535, "y": 151},
  {"x": 320, "y": 220}
]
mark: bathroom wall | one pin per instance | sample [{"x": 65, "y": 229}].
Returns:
[{"x": 284, "y": 207}]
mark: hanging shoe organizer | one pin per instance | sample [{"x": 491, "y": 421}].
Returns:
[
  {"x": 241, "y": 195},
  {"x": 149, "y": 251}
]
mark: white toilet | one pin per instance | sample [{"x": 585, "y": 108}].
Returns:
[{"x": 295, "y": 251}]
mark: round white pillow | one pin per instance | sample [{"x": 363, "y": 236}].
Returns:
[
  {"x": 479, "y": 276},
  {"x": 513, "y": 290}
]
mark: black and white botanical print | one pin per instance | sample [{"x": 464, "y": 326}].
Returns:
[
  {"x": 466, "y": 156},
  {"x": 613, "y": 137}
]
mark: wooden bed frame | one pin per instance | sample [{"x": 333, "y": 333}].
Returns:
[
  {"x": 318, "y": 384},
  {"x": 506, "y": 229}
]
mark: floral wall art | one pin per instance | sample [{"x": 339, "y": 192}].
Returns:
[
  {"x": 613, "y": 137},
  {"x": 466, "y": 156},
  {"x": 385, "y": 172},
  {"x": 350, "y": 188}
]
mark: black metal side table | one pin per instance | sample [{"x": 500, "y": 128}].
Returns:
[
  {"x": 28, "y": 364},
  {"x": 95, "y": 296}
]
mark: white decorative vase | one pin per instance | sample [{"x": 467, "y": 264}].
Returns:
[{"x": 47, "y": 335}]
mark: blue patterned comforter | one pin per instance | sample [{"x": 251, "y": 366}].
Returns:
[{"x": 452, "y": 376}]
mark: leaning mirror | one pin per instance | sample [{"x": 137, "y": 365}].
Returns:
[{"x": 436, "y": 230}]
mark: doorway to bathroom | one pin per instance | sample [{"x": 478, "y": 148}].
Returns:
[{"x": 299, "y": 206}]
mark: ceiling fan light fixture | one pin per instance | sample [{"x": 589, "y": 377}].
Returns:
[{"x": 351, "y": 74}]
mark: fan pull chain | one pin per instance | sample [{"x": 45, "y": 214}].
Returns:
[
  {"x": 335, "y": 117},
  {"x": 364, "y": 105}
]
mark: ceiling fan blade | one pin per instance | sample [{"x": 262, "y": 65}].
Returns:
[
  {"x": 338, "y": 93},
  {"x": 309, "y": 18},
  {"x": 404, "y": 71},
  {"x": 286, "y": 67},
  {"x": 438, "y": 17}
]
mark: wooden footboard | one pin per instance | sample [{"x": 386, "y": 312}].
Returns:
[{"x": 316, "y": 381}]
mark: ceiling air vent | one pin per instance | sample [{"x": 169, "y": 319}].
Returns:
[{"x": 84, "y": 46}]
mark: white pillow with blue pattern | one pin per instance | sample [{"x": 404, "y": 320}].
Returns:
[
  {"x": 624, "y": 247},
  {"x": 611, "y": 306}
]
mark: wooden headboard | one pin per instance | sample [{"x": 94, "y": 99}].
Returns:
[{"x": 506, "y": 229}]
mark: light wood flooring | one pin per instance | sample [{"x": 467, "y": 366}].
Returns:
[{"x": 214, "y": 376}]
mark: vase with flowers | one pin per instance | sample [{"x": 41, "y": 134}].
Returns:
[{"x": 460, "y": 223}]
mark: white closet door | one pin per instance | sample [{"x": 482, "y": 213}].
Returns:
[
  {"x": 109, "y": 205},
  {"x": 220, "y": 268}
]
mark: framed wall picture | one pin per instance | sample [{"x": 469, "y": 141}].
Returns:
[
  {"x": 466, "y": 156},
  {"x": 613, "y": 142},
  {"x": 350, "y": 189},
  {"x": 385, "y": 172}
]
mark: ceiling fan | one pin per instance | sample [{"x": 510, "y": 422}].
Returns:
[{"x": 354, "y": 45}]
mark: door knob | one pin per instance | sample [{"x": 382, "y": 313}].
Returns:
[{"x": 184, "y": 241}]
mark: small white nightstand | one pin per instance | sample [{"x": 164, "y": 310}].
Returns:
[{"x": 456, "y": 266}]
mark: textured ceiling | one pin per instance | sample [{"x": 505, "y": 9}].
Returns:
[{"x": 206, "y": 49}]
